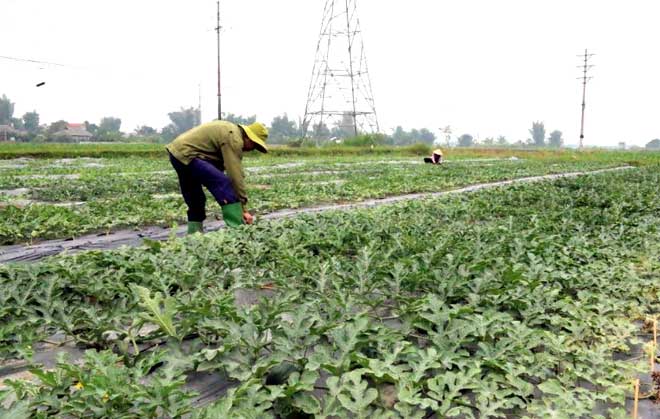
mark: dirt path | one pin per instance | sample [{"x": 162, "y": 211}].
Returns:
[{"x": 133, "y": 237}]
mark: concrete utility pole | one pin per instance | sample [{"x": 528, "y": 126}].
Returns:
[
  {"x": 447, "y": 132},
  {"x": 217, "y": 29},
  {"x": 585, "y": 67},
  {"x": 199, "y": 104}
]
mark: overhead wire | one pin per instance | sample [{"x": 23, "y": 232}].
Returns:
[{"x": 28, "y": 60}]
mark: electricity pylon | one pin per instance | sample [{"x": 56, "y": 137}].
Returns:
[{"x": 340, "y": 100}]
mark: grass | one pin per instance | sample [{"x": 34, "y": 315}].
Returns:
[
  {"x": 108, "y": 150},
  {"x": 52, "y": 150}
]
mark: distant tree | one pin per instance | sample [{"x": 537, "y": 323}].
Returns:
[
  {"x": 400, "y": 136},
  {"x": 282, "y": 129},
  {"x": 426, "y": 136},
  {"x": 109, "y": 129},
  {"x": 31, "y": 122},
  {"x": 501, "y": 140},
  {"x": 653, "y": 144},
  {"x": 6, "y": 110},
  {"x": 239, "y": 119},
  {"x": 338, "y": 132},
  {"x": 17, "y": 123},
  {"x": 413, "y": 136},
  {"x": 109, "y": 124},
  {"x": 145, "y": 131},
  {"x": 320, "y": 131},
  {"x": 169, "y": 132},
  {"x": 489, "y": 141},
  {"x": 555, "y": 139},
  {"x": 57, "y": 126},
  {"x": 182, "y": 121},
  {"x": 465, "y": 140},
  {"x": 91, "y": 128},
  {"x": 538, "y": 133}
]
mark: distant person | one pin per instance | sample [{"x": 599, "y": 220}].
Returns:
[
  {"x": 202, "y": 156},
  {"x": 436, "y": 157}
]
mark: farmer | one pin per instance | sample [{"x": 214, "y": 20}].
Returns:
[
  {"x": 202, "y": 155},
  {"x": 436, "y": 157}
]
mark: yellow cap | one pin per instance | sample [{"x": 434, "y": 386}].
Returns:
[{"x": 258, "y": 133}]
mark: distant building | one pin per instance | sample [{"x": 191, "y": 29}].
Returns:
[
  {"x": 622, "y": 145},
  {"x": 8, "y": 133},
  {"x": 74, "y": 132}
]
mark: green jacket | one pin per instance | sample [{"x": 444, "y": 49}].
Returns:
[{"x": 216, "y": 141}]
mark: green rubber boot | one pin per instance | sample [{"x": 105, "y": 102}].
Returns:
[
  {"x": 232, "y": 214},
  {"x": 195, "y": 227}
]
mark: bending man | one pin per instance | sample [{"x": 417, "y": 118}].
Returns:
[
  {"x": 202, "y": 155},
  {"x": 436, "y": 157}
]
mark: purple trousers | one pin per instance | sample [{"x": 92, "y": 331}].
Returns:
[
  {"x": 435, "y": 159},
  {"x": 200, "y": 173}
]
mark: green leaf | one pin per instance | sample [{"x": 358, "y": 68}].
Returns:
[
  {"x": 17, "y": 411},
  {"x": 307, "y": 403},
  {"x": 552, "y": 387},
  {"x": 47, "y": 377},
  {"x": 359, "y": 396},
  {"x": 161, "y": 310}
]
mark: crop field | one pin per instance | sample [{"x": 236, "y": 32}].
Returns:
[
  {"x": 531, "y": 300},
  {"x": 59, "y": 198}
]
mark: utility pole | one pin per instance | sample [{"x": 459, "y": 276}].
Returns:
[
  {"x": 447, "y": 132},
  {"x": 217, "y": 29},
  {"x": 199, "y": 104},
  {"x": 585, "y": 67}
]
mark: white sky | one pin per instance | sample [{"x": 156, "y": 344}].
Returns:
[{"x": 484, "y": 67}]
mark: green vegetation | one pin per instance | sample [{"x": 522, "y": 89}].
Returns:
[
  {"x": 65, "y": 150},
  {"x": 137, "y": 192},
  {"x": 492, "y": 304},
  {"x": 149, "y": 150}
]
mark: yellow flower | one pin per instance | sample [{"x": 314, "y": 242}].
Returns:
[
  {"x": 106, "y": 397},
  {"x": 78, "y": 386}
]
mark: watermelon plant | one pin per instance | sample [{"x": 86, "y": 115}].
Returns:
[
  {"x": 124, "y": 193},
  {"x": 501, "y": 303}
]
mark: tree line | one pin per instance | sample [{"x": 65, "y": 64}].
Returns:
[
  {"x": 537, "y": 138},
  {"x": 283, "y": 130}
]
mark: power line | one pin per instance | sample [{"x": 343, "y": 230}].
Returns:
[
  {"x": 28, "y": 60},
  {"x": 132, "y": 73}
]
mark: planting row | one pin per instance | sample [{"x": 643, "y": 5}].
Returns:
[
  {"x": 493, "y": 304},
  {"x": 101, "y": 201}
]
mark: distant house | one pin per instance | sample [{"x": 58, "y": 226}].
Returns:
[
  {"x": 74, "y": 132},
  {"x": 8, "y": 133}
]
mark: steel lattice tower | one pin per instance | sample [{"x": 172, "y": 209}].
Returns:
[{"x": 340, "y": 96}]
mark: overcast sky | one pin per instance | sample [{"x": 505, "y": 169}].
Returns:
[{"x": 485, "y": 67}]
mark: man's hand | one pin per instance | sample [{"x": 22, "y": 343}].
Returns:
[{"x": 248, "y": 218}]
